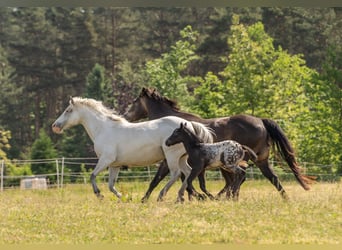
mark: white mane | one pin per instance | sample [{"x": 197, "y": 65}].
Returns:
[{"x": 98, "y": 107}]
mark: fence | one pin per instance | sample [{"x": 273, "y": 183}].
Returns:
[{"x": 78, "y": 170}]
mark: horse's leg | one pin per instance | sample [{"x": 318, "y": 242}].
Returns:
[
  {"x": 113, "y": 176},
  {"x": 272, "y": 177},
  {"x": 229, "y": 178},
  {"x": 201, "y": 179},
  {"x": 100, "y": 166},
  {"x": 163, "y": 170},
  {"x": 174, "y": 175}
]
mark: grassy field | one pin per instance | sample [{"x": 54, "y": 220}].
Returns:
[{"x": 73, "y": 215}]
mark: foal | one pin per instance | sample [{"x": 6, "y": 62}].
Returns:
[{"x": 228, "y": 155}]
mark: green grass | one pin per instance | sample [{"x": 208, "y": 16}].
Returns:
[{"x": 73, "y": 215}]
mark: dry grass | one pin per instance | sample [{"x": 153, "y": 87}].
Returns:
[{"x": 73, "y": 215}]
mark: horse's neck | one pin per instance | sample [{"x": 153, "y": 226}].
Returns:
[
  {"x": 92, "y": 123},
  {"x": 158, "y": 110}
]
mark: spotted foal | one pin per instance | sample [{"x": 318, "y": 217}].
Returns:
[{"x": 228, "y": 155}]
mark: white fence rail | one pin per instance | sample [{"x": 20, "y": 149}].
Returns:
[{"x": 67, "y": 170}]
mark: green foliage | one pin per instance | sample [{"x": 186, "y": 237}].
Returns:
[
  {"x": 323, "y": 136},
  {"x": 210, "y": 100},
  {"x": 13, "y": 170},
  {"x": 4, "y": 143},
  {"x": 166, "y": 73},
  {"x": 43, "y": 148},
  {"x": 46, "y": 54},
  {"x": 96, "y": 84},
  {"x": 267, "y": 82}
]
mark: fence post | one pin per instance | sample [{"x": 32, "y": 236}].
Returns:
[
  {"x": 57, "y": 173},
  {"x": 2, "y": 176},
  {"x": 62, "y": 173},
  {"x": 149, "y": 173}
]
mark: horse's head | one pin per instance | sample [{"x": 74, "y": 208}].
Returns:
[
  {"x": 67, "y": 119},
  {"x": 177, "y": 135},
  {"x": 151, "y": 104},
  {"x": 138, "y": 109}
]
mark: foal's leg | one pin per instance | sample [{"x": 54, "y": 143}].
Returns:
[
  {"x": 201, "y": 179},
  {"x": 163, "y": 170},
  {"x": 193, "y": 191},
  {"x": 197, "y": 168},
  {"x": 229, "y": 178},
  {"x": 113, "y": 176},
  {"x": 239, "y": 178}
]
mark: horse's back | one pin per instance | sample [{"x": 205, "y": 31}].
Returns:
[{"x": 245, "y": 129}]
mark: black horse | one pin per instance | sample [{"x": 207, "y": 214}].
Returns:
[
  {"x": 228, "y": 155},
  {"x": 259, "y": 134}
]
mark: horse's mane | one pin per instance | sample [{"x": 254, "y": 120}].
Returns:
[
  {"x": 154, "y": 94},
  {"x": 98, "y": 107}
]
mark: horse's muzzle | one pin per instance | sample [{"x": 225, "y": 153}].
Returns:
[{"x": 56, "y": 128}]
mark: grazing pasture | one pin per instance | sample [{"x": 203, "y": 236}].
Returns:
[{"x": 73, "y": 215}]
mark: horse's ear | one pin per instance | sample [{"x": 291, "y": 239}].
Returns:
[
  {"x": 71, "y": 100},
  {"x": 144, "y": 91}
]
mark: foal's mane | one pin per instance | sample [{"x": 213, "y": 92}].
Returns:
[
  {"x": 98, "y": 107},
  {"x": 196, "y": 140},
  {"x": 154, "y": 94}
]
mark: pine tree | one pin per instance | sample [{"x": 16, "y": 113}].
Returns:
[{"x": 43, "y": 148}]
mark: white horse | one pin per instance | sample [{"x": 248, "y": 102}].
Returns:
[{"x": 118, "y": 142}]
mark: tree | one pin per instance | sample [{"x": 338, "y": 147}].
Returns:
[
  {"x": 97, "y": 85},
  {"x": 166, "y": 73},
  {"x": 323, "y": 137},
  {"x": 304, "y": 31},
  {"x": 4, "y": 143},
  {"x": 42, "y": 148}
]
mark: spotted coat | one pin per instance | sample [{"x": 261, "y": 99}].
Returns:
[{"x": 225, "y": 154}]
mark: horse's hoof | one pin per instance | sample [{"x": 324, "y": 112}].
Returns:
[
  {"x": 217, "y": 197},
  {"x": 211, "y": 197},
  {"x": 180, "y": 200},
  {"x": 99, "y": 196},
  {"x": 202, "y": 197}
]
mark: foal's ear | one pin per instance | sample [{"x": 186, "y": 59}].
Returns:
[{"x": 183, "y": 125}]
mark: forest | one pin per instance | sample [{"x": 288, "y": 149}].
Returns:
[{"x": 279, "y": 63}]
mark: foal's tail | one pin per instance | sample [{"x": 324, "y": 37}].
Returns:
[
  {"x": 286, "y": 151},
  {"x": 252, "y": 155},
  {"x": 204, "y": 133}
]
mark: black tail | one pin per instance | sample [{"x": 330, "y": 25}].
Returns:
[{"x": 286, "y": 151}]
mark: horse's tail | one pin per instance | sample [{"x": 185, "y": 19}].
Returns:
[
  {"x": 204, "y": 133},
  {"x": 250, "y": 152},
  {"x": 286, "y": 151}
]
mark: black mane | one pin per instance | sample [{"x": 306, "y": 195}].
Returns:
[{"x": 156, "y": 96}]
